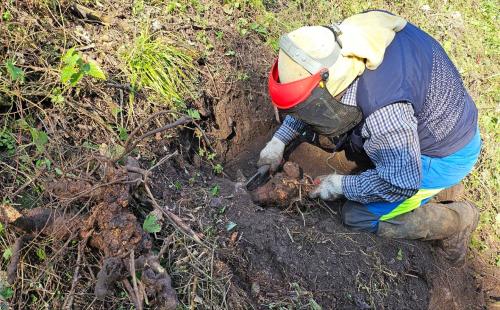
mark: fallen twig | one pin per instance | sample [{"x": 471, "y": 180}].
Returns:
[
  {"x": 138, "y": 294},
  {"x": 68, "y": 301},
  {"x": 129, "y": 146},
  {"x": 131, "y": 293}
]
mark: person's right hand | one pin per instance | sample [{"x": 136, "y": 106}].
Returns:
[{"x": 272, "y": 154}]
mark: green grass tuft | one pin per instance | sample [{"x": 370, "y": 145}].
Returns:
[{"x": 162, "y": 67}]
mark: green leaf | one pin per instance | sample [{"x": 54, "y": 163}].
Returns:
[
  {"x": 178, "y": 185},
  {"x": 84, "y": 67},
  {"x": 56, "y": 96},
  {"x": 58, "y": 171},
  {"x": 230, "y": 53},
  {"x": 218, "y": 168},
  {"x": 6, "y": 292},
  {"x": 16, "y": 73},
  {"x": 95, "y": 71},
  {"x": 6, "y": 16},
  {"x": 43, "y": 162},
  {"x": 7, "y": 253},
  {"x": 67, "y": 73},
  {"x": 39, "y": 138},
  {"x": 399, "y": 255},
  {"x": 215, "y": 190},
  {"x": 40, "y": 252},
  {"x": 70, "y": 57},
  {"x": 230, "y": 226},
  {"x": 151, "y": 224},
  {"x": 193, "y": 113},
  {"x": 115, "y": 110},
  {"x": 211, "y": 156},
  {"x": 122, "y": 133},
  {"x": 74, "y": 69},
  {"x": 1, "y": 229},
  {"x": 75, "y": 78}
]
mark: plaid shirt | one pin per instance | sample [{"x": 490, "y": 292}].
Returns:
[{"x": 391, "y": 142}]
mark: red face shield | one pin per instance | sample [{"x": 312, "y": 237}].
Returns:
[{"x": 288, "y": 95}]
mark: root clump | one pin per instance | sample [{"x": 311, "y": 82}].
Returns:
[
  {"x": 284, "y": 187},
  {"x": 110, "y": 227}
]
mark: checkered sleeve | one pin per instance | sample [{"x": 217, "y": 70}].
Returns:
[
  {"x": 290, "y": 129},
  {"x": 392, "y": 143}
]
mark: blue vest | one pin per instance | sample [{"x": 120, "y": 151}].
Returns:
[{"x": 417, "y": 70}]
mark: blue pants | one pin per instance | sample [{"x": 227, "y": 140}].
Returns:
[{"x": 437, "y": 174}]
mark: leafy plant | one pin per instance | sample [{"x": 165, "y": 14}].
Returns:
[
  {"x": 7, "y": 141},
  {"x": 137, "y": 7},
  {"x": 211, "y": 156},
  {"x": 313, "y": 305},
  {"x": 7, "y": 253},
  {"x": 15, "y": 73},
  {"x": 151, "y": 224},
  {"x": 215, "y": 190},
  {"x": 40, "y": 252},
  {"x": 39, "y": 138},
  {"x": 241, "y": 26},
  {"x": 6, "y": 16},
  {"x": 122, "y": 133},
  {"x": 75, "y": 68},
  {"x": 56, "y": 96},
  {"x": 260, "y": 29},
  {"x": 178, "y": 185},
  {"x": 218, "y": 168},
  {"x": 43, "y": 162},
  {"x": 6, "y": 292}
]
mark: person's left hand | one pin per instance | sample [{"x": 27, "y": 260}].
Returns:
[{"x": 329, "y": 188}]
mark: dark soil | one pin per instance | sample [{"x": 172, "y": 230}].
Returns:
[{"x": 299, "y": 258}]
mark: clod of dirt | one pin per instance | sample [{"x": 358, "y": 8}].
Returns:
[
  {"x": 68, "y": 188},
  {"x": 116, "y": 231},
  {"x": 283, "y": 188},
  {"x": 157, "y": 281},
  {"x": 112, "y": 270}
]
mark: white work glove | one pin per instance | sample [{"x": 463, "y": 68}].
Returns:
[
  {"x": 272, "y": 154},
  {"x": 329, "y": 188}
]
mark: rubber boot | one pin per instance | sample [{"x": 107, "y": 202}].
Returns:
[
  {"x": 450, "y": 194},
  {"x": 451, "y": 224}
]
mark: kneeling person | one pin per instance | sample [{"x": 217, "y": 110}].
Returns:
[{"x": 390, "y": 90}]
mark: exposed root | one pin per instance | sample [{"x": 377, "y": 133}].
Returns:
[
  {"x": 283, "y": 188},
  {"x": 16, "y": 255}
]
